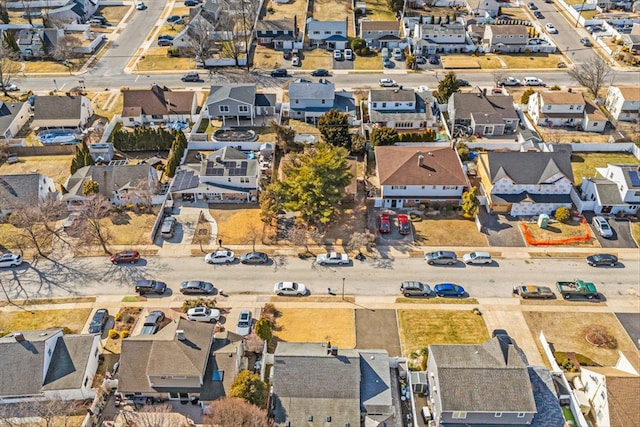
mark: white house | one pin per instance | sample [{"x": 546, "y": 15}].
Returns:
[
  {"x": 616, "y": 190},
  {"x": 310, "y": 100},
  {"x": 399, "y": 108},
  {"x": 623, "y": 102},
  {"x": 411, "y": 175},
  {"x": 13, "y": 116},
  {"x": 327, "y": 34},
  {"x": 431, "y": 38},
  {"x": 505, "y": 38},
  {"x": 556, "y": 108},
  {"x": 20, "y": 190}
]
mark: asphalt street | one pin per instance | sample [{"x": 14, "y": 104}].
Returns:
[{"x": 373, "y": 277}]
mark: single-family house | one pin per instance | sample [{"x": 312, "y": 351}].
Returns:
[
  {"x": 525, "y": 183},
  {"x": 489, "y": 384},
  {"x": 483, "y": 115},
  {"x": 616, "y": 190},
  {"x": 119, "y": 184},
  {"x": 310, "y": 100},
  {"x": 631, "y": 41},
  {"x": 612, "y": 391},
  {"x": 402, "y": 109},
  {"x": 66, "y": 111},
  {"x": 483, "y": 8},
  {"x": 226, "y": 175},
  {"x": 183, "y": 360},
  {"x": 505, "y": 38},
  {"x": 13, "y": 116},
  {"x": 75, "y": 11},
  {"x": 379, "y": 34},
  {"x": 411, "y": 175},
  {"x": 20, "y": 190},
  {"x": 555, "y": 108},
  {"x": 157, "y": 105},
  {"x": 318, "y": 384},
  {"x": 327, "y": 34},
  {"x": 594, "y": 120},
  {"x": 204, "y": 19},
  {"x": 623, "y": 102},
  {"x": 239, "y": 101},
  {"x": 278, "y": 34},
  {"x": 429, "y": 39},
  {"x": 38, "y": 42},
  {"x": 47, "y": 364}
]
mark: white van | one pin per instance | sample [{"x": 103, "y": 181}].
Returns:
[
  {"x": 533, "y": 81},
  {"x": 385, "y": 53},
  {"x": 398, "y": 54},
  {"x": 426, "y": 414}
]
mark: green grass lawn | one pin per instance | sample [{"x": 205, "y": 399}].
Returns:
[
  {"x": 584, "y": 164},
  {"x": 419, "y": 328}
]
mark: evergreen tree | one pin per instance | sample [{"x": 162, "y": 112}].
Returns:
[{"x": 334, "y": 127}]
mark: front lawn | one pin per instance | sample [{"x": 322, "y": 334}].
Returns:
[
  {"x": 156, "y": 58},
  {"x": 371, "y": 62},
  {"x": 532, "y": 60},
  {"x": 448, "y": 232},
  {"x": 14, "y": 321},
  {"x": 419, "y": 328},
  {"x": 317, "y": 58},
  {"x": 317, "y": 325},
  {"x": 460, "y": 61},
  {"x": 128, "y": 228},
  {"x": 584, "y": 164},
  {"x": 113, "y": 14},
  {"x": 238, "y": 224},
  {"x": 266, "y": 58},
  {"x": 342, "y": 227}
]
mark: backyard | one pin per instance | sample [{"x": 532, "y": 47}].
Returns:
[
  {"x": 419, "y": 328},
  {"x": 24, "y": 320},
  {"x": 584, "y": 164},
  {"x": 317, "y": 325},
  {"x": 286, "y": 10},
  {"x": 454, "y": 231},
  {"x": 378, "y": 10},
  {"x": 55, "y": 167}
]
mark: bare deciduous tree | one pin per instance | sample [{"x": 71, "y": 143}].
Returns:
[
  {"x": 242, "y": 15},
  {"x": 594, "y": 74},
  {"x": 52, "y": 413},
  {"x": 232, "y": 411},
  {"x": 9, "y": 68},
  {"x": 64, "y": 49},
  {"x": 201, "y": 41},
  {"x": 361, "y": 240},
  {"x": 94, "y": 210}
]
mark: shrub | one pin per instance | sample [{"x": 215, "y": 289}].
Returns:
[
  {"x": 113, "y": 334},
  {"x": 124, "y": 334},
  {"x": 117, "y": 317},
  {"x": 526, "y": 95},
  {"x": 198, "y": 302},
  {"x": 562, "y": 214},
  {"x": 271, "y": 10},
  {"x": 554, "y": 87},
  {"x": 271, "y": 309}
]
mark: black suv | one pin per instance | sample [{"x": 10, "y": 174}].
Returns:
[
  {"x": 279, "y": 72},
  {"x": 150, "y": 287},
  {"x": 98, "y": 321}
]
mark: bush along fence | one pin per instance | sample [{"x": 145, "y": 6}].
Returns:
[{"x": 554, "y": 242}]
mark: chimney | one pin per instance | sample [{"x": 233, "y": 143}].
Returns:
[
  {"x": 334, "y": 350},
  {"x": 430, "y": 154},
  {"x": 18, "y": 336},
  {"x": 328, "y": 347},
  {"x": 420, "y": 161},
  {"x": 295, "y": 26},
  {"x": 218, "y": 159},
  {"x": 180, "y": 334}
]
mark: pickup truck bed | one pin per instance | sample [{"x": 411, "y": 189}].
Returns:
[{"x": 577, "y": 288}]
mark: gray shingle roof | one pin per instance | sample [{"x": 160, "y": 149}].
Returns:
[
  {"x": 275, "y": 25},
  {"x": 57, "y": 107},
  {"x": 544, "y": 393},
  {"x": 392, "y": 95},
  {"x": 8, "y": 112},
  {"x": 467, "y": 103},
  {"x": 69, "y": 362},
  {"x": 608, "y": 192},
  {"x": 19, "y": 190},
  {"x": 310, "y": 90},
  {"x": 109, "y": 178},
  {"x": 529, "y": 167},
  {"x": 245, "y": 93},
  {"x": 488, "y": 377}
]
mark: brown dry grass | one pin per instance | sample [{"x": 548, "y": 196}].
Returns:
[
  {"x": 448, "y": 232},
  {"x": 317, "y": 58},
  {"x": 353, "y": 220},
  {"x": 317, "y": 325},
  {"x": 460, "y": 61},
  {"x": 135, "y": 231},
  {"x": 378, "y": 10},
  {"x": 403, "y": 300},
  {"x": 106, "y": 104},
  {"x": 419, "y": 328},
  {"x": 156, "y": 58},
  {"x": 334, "y": 10},
  {"x": 533, "y": 60},
  {"x": 55, "y": 167},
  {"x": 49, "y": 301},
  {"x": 43, "y": 319},
  {"x": 287, "y": 10},
  {"x": 558, "y": 231},
  {"x": 331, "y": 299},
  {"x": 563, "y": 329},
  {"x": 371, "y": 62},
  {"x": 113, "y": 14},
  {"x": 635, "y": 231},
  {"x": 238, "y": 224}
]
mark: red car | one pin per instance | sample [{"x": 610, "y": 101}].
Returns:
[
  {"x": 125, "y": 256},
  {"x": 384, "y": 222},
  {"x": 403, "y": 224}
]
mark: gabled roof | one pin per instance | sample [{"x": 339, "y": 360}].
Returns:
[
  {"x": 466, "y": 104},
  {"x": 488, "y": 377},
  {"x": 49, "y": 107},
  {"x": 243, "y": 93},
  {"x": 8, "y": 113},
  {"x": 156, "y": 101},
  {"x": 313, "y": 25},
  {"x": 623, "y": 395},
  {"x": 379, "y": 26},
  {"x": 19, "y": 190},
  {"x": 453, "y": 29},
  {"x": 630, "y": 93},
  {"x": 110, "y": 178},
  {"x": 562, "y": 98},
  {"x": 399, "y": 166},
  {"x": 302, "y": 89},
  {"x": 275, "y": 25},
  {"x": 527, "y": 167}
]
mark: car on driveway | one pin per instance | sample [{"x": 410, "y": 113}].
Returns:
[
  {"x": 152, "y": 322},
  {"x": 173, "y": 19},
  {"x": 421, "y": 60},
  {"x": 289, "y": 288},
  {"x": 551, "y": 28},
  {"x": 387, "y": 83},
  {"x": 124, "y": 257},
  {"x": 384, "y": 222},
  {"x": 448, "y": 290},
  {"x": 409, "y": 289},
  {"x": 509, "y": 81},
  {"x": 585, "y": 42},
  {"x": 601, "y": 225},
  {"x": 190, "y": 3},
  {"x": 10, "y": 260},
  {"x": 196, "y": 287},
  {"x": 320, "y": 72},
  {"x": 598, "y": 260},
  {"x": 279, "y": 72},
  {"x": 532, "y": 6},
  {"x": 254, "y": 258},
  {"x": 404, "y": 226},
  {"x": 333, "y": 258},
  {"x": 203, "y": 314},
  {"x": 433, "y": 60},
  {"x": 337, "y": 55},
  {"x": 150, "y": 287},
  {"x": 477, "y": 258},
  {"x": 98, "y": 321},
  {"x": 220, "y": 257},
  {"x": 441, "y": 257},
  {"x": 295, "y": 61},
  {"x": 348, "y": 54},
  {"x": 244, "y": 323}
]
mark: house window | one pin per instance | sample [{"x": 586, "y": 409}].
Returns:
[
  {"x": 498, "y": 414},
  {"x": 323, "y": 102},
  {"x": 244, "y": 180},
  {"x": 49, "y": 351},
  {"x": 459, "y": 415},
  {"x": 375, "y": 104},
  {"x": 224, "y": 108},
  {"x": 229, "y": 179},
  {"x": 173, "y": 395},
  {"x": 384, "y": 105},
  {"x": 397, "y": 104},
  {"x": 218, "y": 375},
  {"x": 86, "y": 380},
  {"x": 398, "y": 187},
  {"x": 338, "y": 32},
  {"x": 595, "y": 124},
  {"x": 547, "y": 107},
  {"x": 571, "y": 107},
  {"x": 449, "y": 187},
  {"x": 243, "y": 108},
  {"x": 521, "y": 414},
  {"x": 297, "y": 101}
]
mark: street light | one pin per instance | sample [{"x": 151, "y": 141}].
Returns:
[
  {"x": 55, "y": 84},
  {"x": 343, "y": 288}
]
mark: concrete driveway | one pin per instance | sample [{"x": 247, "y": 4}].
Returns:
[
  {"x": 631, "y": 323},
  {"x": 501, "y": 230},
  {"x": 343, "y": 65},
  {"x": 377, "y": 329},
  {"x": 621, "y": 232}
]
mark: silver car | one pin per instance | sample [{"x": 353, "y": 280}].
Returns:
[
  {"x": 602, "y": 226},
  {"x": 441, "y": 257}
]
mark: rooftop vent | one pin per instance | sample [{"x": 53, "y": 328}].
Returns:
[
  {"x": 334, "y": 351},
  {"x": 180, "y": 334},
  {"x": 18, "y": 336},
  {"x": 420, "y": 160}
]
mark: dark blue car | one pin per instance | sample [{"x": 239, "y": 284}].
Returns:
[{"x": 448, "y": 290}]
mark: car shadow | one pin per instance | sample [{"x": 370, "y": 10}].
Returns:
[
  {"x": 491, "y": 264},
  {"x": 270, "y": 261},
  {"x": 458, "y": 264}
]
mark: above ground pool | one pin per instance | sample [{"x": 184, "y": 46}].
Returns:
[{"x": 58, "y": 136}]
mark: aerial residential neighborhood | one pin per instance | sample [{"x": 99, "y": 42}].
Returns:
[{"x": 320, "y": 213}]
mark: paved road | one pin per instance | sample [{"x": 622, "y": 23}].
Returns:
[{"x": 96, "y": 276}]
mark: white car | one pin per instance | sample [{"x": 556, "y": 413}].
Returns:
[
  {"x": 9, "y": 87},
  {"x": 289, "y": 288},
  {"x": 140, "y": 6},
  {"x": 220, "y": 257},
  {"x": 602, "y": 226},
  {"x": 203, "y": 314},
  {"x": 477, "y": 258},
  {"x": 10, "y": 260},
  {"x": 337, "y": 55},
  {"x": 244, "y": 323},
  {"x": 387, "y": 83},
  {"x": 551, "y": 28},
  {"x": 295, "y": 61},
  {"x": 348, "y": 54},
  {"x": 333, "y": 258},
  {"x": 533, "y": 81}
]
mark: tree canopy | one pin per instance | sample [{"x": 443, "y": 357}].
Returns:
[
  {"x": 334, "y": 128},
  {"x": 384, "y": 136},
  {"x": 250, "y": 387},
  {"x": 447, "y": 86},
  {"x": 231, "y": 411},
  {"x": 470, "y": 203}
]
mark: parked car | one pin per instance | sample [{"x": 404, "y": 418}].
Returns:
[
  {"x": 333, "y": 258},
  {"x": 254, "y": 258},
  {"x": 348, "y": 54},
  {"x": 289, "y": 288},
  {"x": 166, "y": 36},
  {"x": 477, "y": 258},
  {"x": 409, "y": 289},
  {"x": 384, "y": 222},
  {"x": 433, "y": 60},
  {"x": 165, "y": 42},
  {"x": 98, "y": 20},
  {"x": 173, "y": 19},
  {"x": 140, "y": 5},
  {"x": 10, "y": 260},
  {"x": 190, "y": 3},
  {"x": 168, "y": 227},
  {"x": 421, "y": 60},
  {"x": 530, "y": 291},
  {"x": 295, "y": 61},
  {"x": 601, "y": 225},
  {"x": 509, "y": 81},
  {"x": 585, "y": 42},
  {"x": 387, "y": 83},
  {"x": 594, "y": 29},
  {"x": 220, "y": 257},
  {"x": 203, "y": 314},
  {"x": 196, "y": 287},
  {"x": 190, "y": 77},
  {"x": 448, "y": 290},
  {"x": 578, "y": 288},
  {"x": 532, "y": 6},
  {"x": 598, "y": 260},
  {"x": 98, "y": 321},
  {"x": 441, "y": 257},
  {"x": 502, "y": 335},
  {"x": 398, "y": 54},
  {"x": 286, "y": 54},
  {"x": 144, "y": 286},
  {"x": 551, "y": 28},
  {"x": 337, "y": 55},
  {"x": 244, "y": 323},
  {"x": 538, "y": 14},
  {"x": 9, "y": 87},
  {"x": 152, "y": 322},
  {"x": 279, "y": 72},
  {"x": 404, "y": 226},
  {"x": 125, "y": 256},
  {"x": 320, "y": 72},
  {"x": 463, "y": 83},
  {"x": 533, "y": 81}
]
